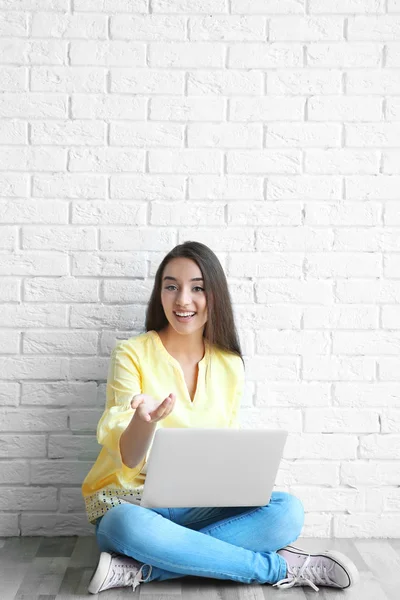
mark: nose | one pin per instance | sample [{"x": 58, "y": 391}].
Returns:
[{"x": 184, "y": 298}]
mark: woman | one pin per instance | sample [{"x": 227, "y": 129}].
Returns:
[{"x": 187, "y": 371}]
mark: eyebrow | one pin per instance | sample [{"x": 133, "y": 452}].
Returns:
[{"x": 174, "y": 278}]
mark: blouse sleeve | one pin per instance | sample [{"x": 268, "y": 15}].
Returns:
[
  {"x": 123, "y": 382},
  {"x": 234, "y": 422}
]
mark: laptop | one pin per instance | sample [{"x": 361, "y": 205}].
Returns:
[{"x": 192, "y": 467}]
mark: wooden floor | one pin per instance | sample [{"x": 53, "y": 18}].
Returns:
[{"x": 42, "y": 568}]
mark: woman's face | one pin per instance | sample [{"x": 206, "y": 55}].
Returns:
[{"x": 180, "y": 294}]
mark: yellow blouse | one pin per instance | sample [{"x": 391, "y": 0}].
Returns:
[{"x": 142, "y": 364}]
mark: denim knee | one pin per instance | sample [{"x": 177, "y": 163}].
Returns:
[{"x": 294, "y": 513}]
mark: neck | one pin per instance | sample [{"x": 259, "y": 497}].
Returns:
[{"x": 187, "y": 347}]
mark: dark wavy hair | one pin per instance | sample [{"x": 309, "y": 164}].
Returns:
[{"x": 220, "y": 329}]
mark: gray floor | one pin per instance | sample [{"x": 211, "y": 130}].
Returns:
[{"x": 42, "y": 568}]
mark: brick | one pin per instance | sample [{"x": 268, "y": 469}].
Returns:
[
  {"x": 334, "y": 368},
  {"x": 69, "y": 185},
  {"x": 204, "y": 187},
  {"x": 377, "y": 446},
  {"x": 264, "y": 213},
  {"x": 15, "y": 471},
  {"x": 187, "y": 213},
  {"x": 306, "y": 29},
  {"x": 24, "y": 419},
  {"x": 340, "y": 316},
  {"x": 344, "y": 108},
  {"x": 66, "y": 25},
  {"x": 34, "y": 263},
  {"x": 150, "y": 27},
  {"x": 68, "y": 79},
  {"x": 144, "y": 81},
  {"x": 372, "y": 187},
  {"x": 60, "y": 393},
  {"x": 340, "y": 420},
  {"x": 293, "y": 239},
  {"x": 229, "y": 28},
  {"x": 28, "y": 498},
  {"x": 61, "y": 289},
  {"x": 367, "y": 291},
  {"x": 342, "y": 214},
  {"x": 71, "y": 500},
  {"x": 13, "y": 79},
  {"x": 366, "y": 343},
  {"x": 231, "y": 135},
  {"x": 185, "y": 161},
  {"x": 34, "y": 524},
  {"x": 9, "y": 394},
  {"x": 141, "y": 135},
  {"x": 373, "y": 27},
  {"x": 226, "y": 83},
  {"x": 59, "y": 238},
  {"x": 359, "y": 395},
  {"x": 21, "y": 446},
  {"x": 8, "y": 238},
  {"x": 28, "y": 105},
  {"x": 106, "y": 160},
  {"x": 302, "y": 292},
  {"x": 292, "y": 394},
  {"x": 321, "y": 446},
  {"x": 122, "y": 239},
  {"x": 193, "y": 6},
  {"x": 70, "y": 133},
  {"x": 85, "y": 421},
  {"x": 79, "y": 447},
  {"x": 391, "y": 163},
  {"x": 147, "y": 187},
  {"x": 295, "y": 472},
  {"x": 373, "y": 82},
  {"x": 304, "y": 187},
  {"x": 346, "y": 6},
  {"x": 304, "y": 82},
  {"x": 273, "y": 7},
  {"x": 115, "y": 106},
  {"x": 345, "y": 161},
  {"x": 60, "y": 342},
  {"x": 267, "y": 264},
  {"x": 14, "y": 24},
  {"x": 253, "y": 55},
  {"x": 31, "y": 211},
  {"x": 271, "y": 161},
  {"x": 138, "y": 6},
  {"x": 185, "y": 55},
  {"x": 109, "y": 213},
  {"x": 107, "y": 53},
  {"x": 186, "y": 109},
  {"x": 344, "y": 55},
  {"x": 26, "y": 367},
  {"x": 9, "y": 342},
  {"x": 59, "y": 472},
  {"x": 372, "y": 135},
  {"x": 10, "y": 290},
  {"x": 107, "y": 264},
  {"x": 266, "y": 109},
  {"x": 302, "y": 135},
  {"x": 91, "y": 317},
  {"x": 221, "y": 239},
  {"x": 32, "y": 159},
  {"x": 14, "y": 132}
]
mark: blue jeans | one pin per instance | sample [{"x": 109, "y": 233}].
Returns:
[{"x": 237, "y": 543}]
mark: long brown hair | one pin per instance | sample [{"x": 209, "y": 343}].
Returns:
[{"x": 220, "y": 329}]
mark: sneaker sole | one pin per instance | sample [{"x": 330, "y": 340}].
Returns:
[
  {"x": 340, "y": 558},
  {"x": 100, "y": 574}
]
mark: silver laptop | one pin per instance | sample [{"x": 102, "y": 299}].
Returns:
[{"x": 191, "y": 467}]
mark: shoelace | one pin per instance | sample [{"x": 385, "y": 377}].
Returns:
[
  {"x": 138, "y": 577},
  {"x": 119, "y": 574},
  {"x": 306, "y": 573}
]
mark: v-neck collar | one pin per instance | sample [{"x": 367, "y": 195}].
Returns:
[{"x": 201, "y": 364}]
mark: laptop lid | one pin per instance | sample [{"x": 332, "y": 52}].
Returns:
[{"x": 192, "y": 467}]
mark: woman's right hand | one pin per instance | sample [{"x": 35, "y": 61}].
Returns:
[{"x": 151, "y": 410}]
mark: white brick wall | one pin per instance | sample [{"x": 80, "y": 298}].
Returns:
[{"x": 267, "y": 130}]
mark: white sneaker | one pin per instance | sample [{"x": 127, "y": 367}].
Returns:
[
  {"x": 115, "y": 570},
  {"x": 329, "y": 568}
]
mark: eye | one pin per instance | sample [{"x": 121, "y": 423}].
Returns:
[{"x": 197, "y": 287}]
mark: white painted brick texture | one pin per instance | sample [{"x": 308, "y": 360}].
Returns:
[{"x": 269, "y": 131}]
